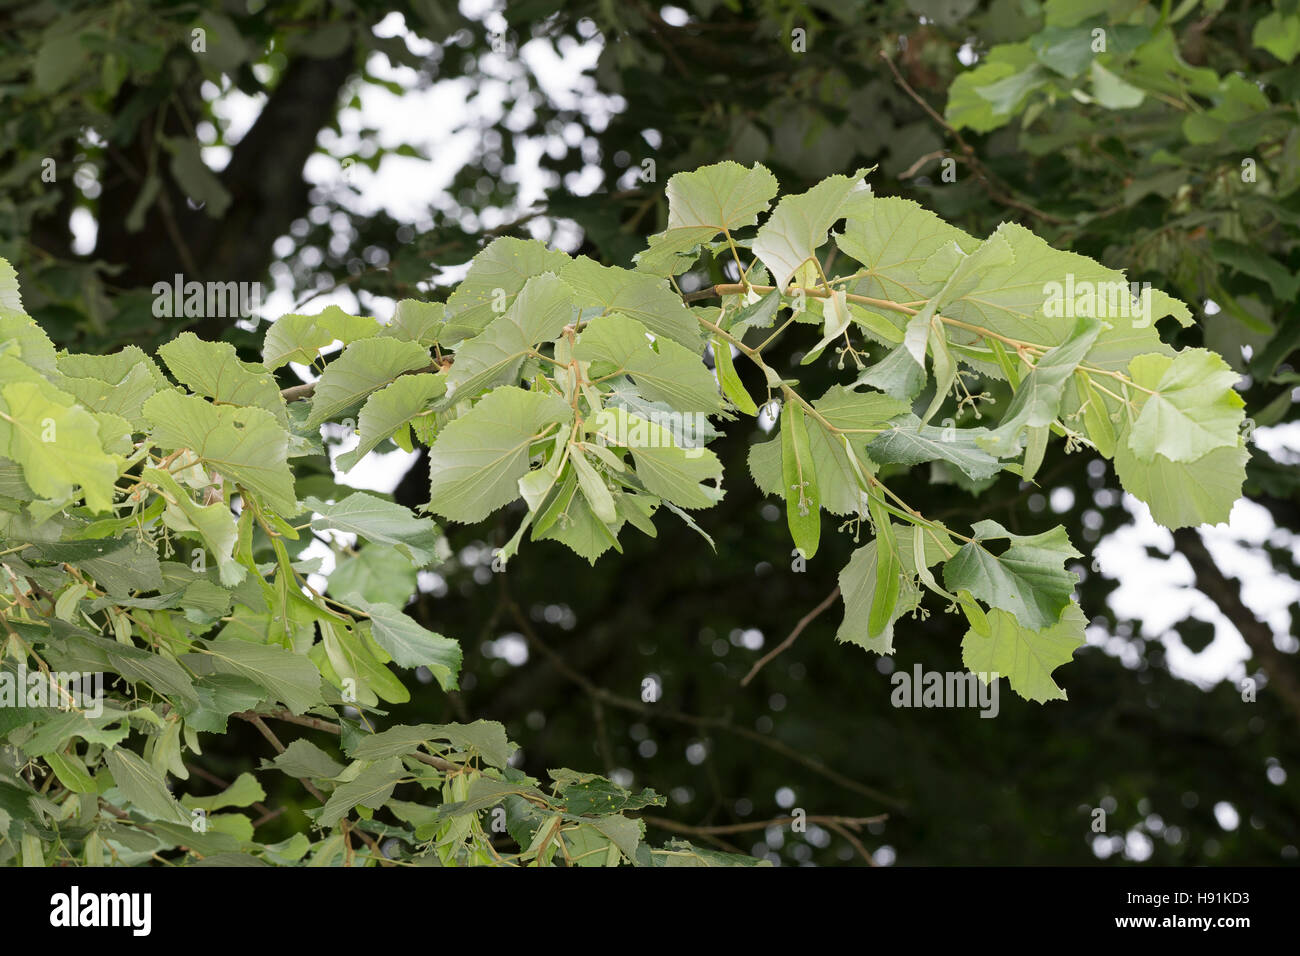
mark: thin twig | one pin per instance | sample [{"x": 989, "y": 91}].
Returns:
[
  {"x": 311, "y": 788},
  {"x": 718, "y": 723},
  {"x": 996, "y": 190},
  {"x": 794, "y": 634},
  {"x": 857, "y": 844},
  {"x": 664, "y": 823}
]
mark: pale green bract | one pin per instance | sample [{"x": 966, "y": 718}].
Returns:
[{"x": 151, "y": 526}]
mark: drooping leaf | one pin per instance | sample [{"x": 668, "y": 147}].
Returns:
[
  {"x": 379, "y": 522},
  {"x": 799, "y": 481},
  {"x": 1025, "y": 656},
  {"x": 411, "y": 645},
  {"x": 1028, "y": 579},
  {"x": 143, "y": 786},
  {"x": 1192, "y": 408}
]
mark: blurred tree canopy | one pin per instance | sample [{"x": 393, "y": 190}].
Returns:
[{"x": 1172, "y": 151}]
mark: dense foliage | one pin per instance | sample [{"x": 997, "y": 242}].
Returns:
[
  {"x": 1166, "y": 150},
  {"x": 580, "y": 389}
]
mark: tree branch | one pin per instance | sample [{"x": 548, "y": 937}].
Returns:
[
  {"x": 1226, "y": 593},
  {"x": 798, "y": 629}
]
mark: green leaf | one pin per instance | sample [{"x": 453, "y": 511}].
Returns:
[
  {"x": 354, "y": 655},
  {"x": 299, "y": 338},
  {"x": 495, "y": 356},
  {"x": 1254, "y": 262},
  {"x": 892, "y": 237},
  {"x": 398, "y": 741},
  {"x": 959, "y": 272},
  {"x": 244, "y": 792},
  {"x": 1025, "y": 656},
  {"x": 799, "y": 481},
  {"x": 477, "y": 460},
  {"x": 568, "y": 518},
  {"x": 984, "y": 98},
  {"x": 1184, "y": 494},
  {"x": 135, "y": 664},
  {"x": 1096, "y": 418},
  {"x": 765, "y": 466},
  {"x": 667, "y": 470},
  {"x": 859, "y": 417},
  {"x": 897, "y": 374},
  {"x": 1037, "y": 400},
  {"x": 287, "y": 676},
  {"x": 143, "y": 786},
  {"x": 215, "y": 370},
  {"x": 302, "y": 758},
  {"x": 487, "y": 738},
  {"x": 372, "y": 788},
  {"x": 66, "y": 605},
  {"x": 1193, "y": 410},
  {"x": 1112, "y": 92},
  {"x": 728, "y": 380},
  {"x": 1279, "y": 34},
  {"x": 416, "y": 321},
  {"x": 703, "y": 203},
  {"x": 374, "y": 574},
  {"x": 799, "y": 224},
  {"x": 71, "y": 772},
  {"x": 593, "y": 488},
  {"x": 836, "y": 319},
  {"x": 884, "y": 599},
  {"x": 758, "y": 314},
  {"x": 363, "y": 367},
  {"x": 389, "y": 409},
  {"x": 482, "y": 737},
  {"x": 57, "y": 444},
  {"x": 53, "y": 734},
  {"x": 495, "y": 277},
  {"x": 645, "y": 298},
  {"x": 678, "y": 853},
  {"x": 194, "y": 177},
  {"x": 1023, "y": 297},
  {"x": 381, "y": 523},
  {"x": 663, "y": 371},
  {"x": 118, "y": 384},
  {"x": 214, "y": 524},
  {"x": 411, "y": 645},
  {"x": 13, "y": 317},
  {"x": 219, "y": 696},
  {"x": 908, "y": 442},
  {"x": 1028, "y": 578},
  {"x": 246, "y": 445}
]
